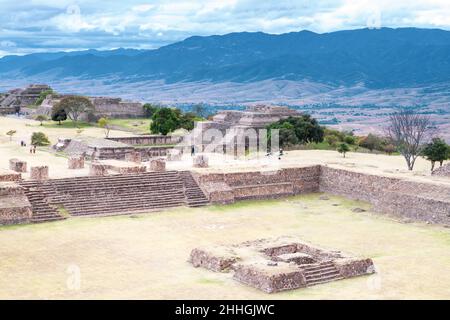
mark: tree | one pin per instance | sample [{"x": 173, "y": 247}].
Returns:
[
  {"x": 75, "y": 106},
  {"x": 350, "y": 139},
  {"x": 305, "y": 129},
  {"x": 332, "y": 140},
  {"x": 164, "y": 121},
  {"x": 150, "y": 109},
  {"x": 187, "y": 120},
  {"x": 42, "y": 96},
  {"x": 408, "y": 131},
  {"x": 10, "y": 133},
  {"x": 58, "y": 114},
  {"x": 104, "y": 123},
  {"x": 371, "y": 142},
  {"x": 41, "y": 118},
  {"x": 436, "y": 151},
  {"x": 343, "y": 148},
  {"x": 39, "y": 139}
]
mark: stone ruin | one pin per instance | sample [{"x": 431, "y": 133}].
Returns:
[
  {"x": 158, "y": 165},
  {"x": 286, "y": 263},
  {"x": 98, "y": 169},
  {"x": 17, "y": 165},
  {"x": 13, "y": 100},
  {"x": 200, "y": 161},
  {"x": 39, "y": 173},
  {"x": 76, "y": 162},
  {"x": 443, "y": 171}
]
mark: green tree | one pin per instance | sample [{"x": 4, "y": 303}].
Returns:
[
  {"x": 39, "y": 139},
  {"x": 75, "y": 106},
  {"x": 42, "y": 96},
  {"x": 436, "y": 151},
  {"x": 10, "y": 133},
  {"x": 305, "y": 129},
  {"x": 350, "y": 139},
  {"x": 332, "y": 140},
  {"x": 150, "y": 109},
  {"x": 164, "y": 121},
  {"x": 343, "y": 148},
  {"x": 58, "y": 114},
  {"x": 187, "y": 120},
  {"x": 104, "y": 123},
  {"x": 389, "y": 148},
  {"x": 41, "y": 118}
]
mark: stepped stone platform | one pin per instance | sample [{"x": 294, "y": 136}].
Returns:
[
  {"x": 113, "y": 194},
  {"x": 285, "y": 263},
  {"x": 14, "y": 205}
]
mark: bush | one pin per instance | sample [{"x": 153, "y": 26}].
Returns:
[
  {"x": 343, "y": 148},
  {"x": 164, "y": 121},
  {"x": 39, "y": 139}
]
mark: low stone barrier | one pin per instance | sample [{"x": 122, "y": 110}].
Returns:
[
  {"x": 76, "y": 162},
  {"x": 174, "y": 155},
  {"x": 98, "y": 169},
  {"x": 158, "y": 165},
  {"x": 39, "y": 173},
  {"x": 17, "y": 165}
]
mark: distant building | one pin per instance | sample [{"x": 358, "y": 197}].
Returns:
[{"x": 14, "y": 100}]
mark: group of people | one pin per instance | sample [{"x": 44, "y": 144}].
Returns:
[{"x": 32, "y": 147}]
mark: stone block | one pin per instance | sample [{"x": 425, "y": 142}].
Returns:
[
  {"x": 39, "y": 173},
  {"x": 76, "y": 162},
  {"x": 200, "y": 161},
  {"x": 98, "y": 169},
  {"x": 17, "y": 165},
  {"x": 158, "y": 165}
]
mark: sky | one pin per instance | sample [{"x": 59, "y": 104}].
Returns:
[{"x": 28, "y": 26}]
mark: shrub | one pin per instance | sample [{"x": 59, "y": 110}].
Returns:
[{"x": 39, "y": 139}]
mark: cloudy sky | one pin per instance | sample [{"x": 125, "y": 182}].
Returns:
[{"x": 42, "y": 25}]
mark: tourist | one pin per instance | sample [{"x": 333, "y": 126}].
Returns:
[
  {"x": 34, "y": 149},
  {"x": 192, "y": 150}
]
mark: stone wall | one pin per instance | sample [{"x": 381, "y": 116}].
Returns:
[
  {"x": 259, "y": 185},
  {"x": 14, "y": 205},
  {"x": 148, "y": 140},
  {"x": 9, "y": 175},
  {"x": 407, "y": 199}
]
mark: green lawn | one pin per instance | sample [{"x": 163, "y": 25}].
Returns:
[{"x": 139, "y": 125}]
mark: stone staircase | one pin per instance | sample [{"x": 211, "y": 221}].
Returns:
[
  {"x": 120, "y": 194},
  {"x": 194, "y": 194},
  {"x": 42, "y": 210},
  {"x": 320, "y": 273}
]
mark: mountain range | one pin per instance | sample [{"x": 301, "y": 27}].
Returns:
[{"x": 377, "y": 58}]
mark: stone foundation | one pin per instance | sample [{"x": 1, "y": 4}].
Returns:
[
  {"x": 286, "y": 263},
  {"x": 98, "y": 169},
  {"x": 158, "y": 165},
  {"x": 174, "y": 155},
  {"x": 200, "y": 161},
  {"x": 39, "y": 173},
  {"x": 17, "y": 165},
  {"x": 443, "y": 171},
  {"x": 76, "y": 162}
]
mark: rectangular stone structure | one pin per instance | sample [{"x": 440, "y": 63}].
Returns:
[
  {"x": 98, "y": 169},
  {"x": 76, "y": 162},
  {"x": 39, "y": 173},
  {"x": 17, "y": 165},
  {"x": 134, "y": 156},
  {"x": 158, "y": 165}
]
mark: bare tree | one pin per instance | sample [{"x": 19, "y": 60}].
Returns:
[{"x": 408, "y": 132}]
